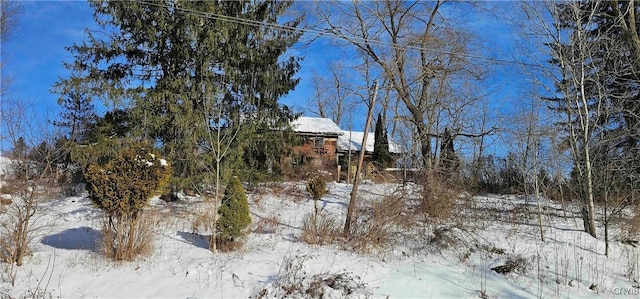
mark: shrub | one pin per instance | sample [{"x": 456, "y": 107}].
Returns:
[
  {"x": 438, "y": 198},
  {"x": 317, "y": 187},
  {"x": 375, "y": 227},
  {"x": 18, "y": 224},
  {"x": 234, "y": 222},
  {"x": 319, "y": 229},
  {"x": 267, "y": 225},
  {"x": 122, "y": 188},
  {"x": 292, "y": 281}
]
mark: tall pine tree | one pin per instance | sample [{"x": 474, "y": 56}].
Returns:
[
  {"x": 381, "y": 153},
  {"x": 170, "y": 63}
]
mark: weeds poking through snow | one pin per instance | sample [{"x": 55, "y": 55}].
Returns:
[
  {"x": 513, "y": 263},
  {"x": 293, "y": 281}
]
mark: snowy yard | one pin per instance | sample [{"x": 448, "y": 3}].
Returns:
[{"x": 452, "y": 259}]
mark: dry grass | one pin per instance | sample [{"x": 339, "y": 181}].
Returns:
[
  {"x": 632, "y": 226},
  {"x": 7, "y": 189},
  {"x": 438, "y": 199},
  {"x": 286, "y": 190},
  {"x": 320, "y": 229},
  {"x": 266, "y": 225},
  {"x": 230, "y": 245},
  {"x": 380, "y": 176},
  {"x": 5, "y": 201},
  {"x": 377, "y": 226},
  {"x": 204, "y": 221},
  {"x": 124, "y": 240}
]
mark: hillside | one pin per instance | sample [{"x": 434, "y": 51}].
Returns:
[{"x": 421, "y": 257}]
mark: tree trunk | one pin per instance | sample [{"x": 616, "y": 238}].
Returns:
[{"x": 354, "y": 192}]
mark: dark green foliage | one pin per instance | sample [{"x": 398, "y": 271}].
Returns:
[
  {"x": 20, "y": 148},
  {"x": 234, "y": 219},
  {"x": 607, "y": 51},
  {"x": 185, "y": 75},
  {"x": 381, "y": 152},
  {"x": 101, "y": 141},
  {"x": 19, "y": 154},
  {"x": 77, "y": 116},
  {"x": 448, "y": 158},
  {"x": 498, "y": 175},
  {"x": 317, "y": 187},
  {"x": 123, "y": 186},
  {"x": 114, "y": 124}
]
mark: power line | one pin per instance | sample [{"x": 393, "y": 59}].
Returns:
[{"x": 330, "y": 34}]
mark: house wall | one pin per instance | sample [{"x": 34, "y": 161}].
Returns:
[{"x": 320, "y": 156}]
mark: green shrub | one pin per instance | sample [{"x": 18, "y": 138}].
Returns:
[
  {"x": 122, "y": 188},
  {"x": 234, "y": 222},
  {"x": 317, "y": 187}
]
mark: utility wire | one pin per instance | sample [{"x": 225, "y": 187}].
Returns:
[{"x": 334, "y": 35}]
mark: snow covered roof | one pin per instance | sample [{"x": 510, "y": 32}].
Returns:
[
  {"x": 316, "y": 126},
  {"x": 353, "y": 140}
]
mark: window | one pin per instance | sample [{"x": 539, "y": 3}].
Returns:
[{"x": 318, "y": 142}]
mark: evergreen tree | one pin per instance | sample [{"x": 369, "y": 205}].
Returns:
[
  {"x": 611, "y": 81},
  {"x": 449, "y": 159},
  {"x": 234, "y": 218},
  {"x": 21, "y": 165},
  {"x": 596, "y": 51},
  {"x": 176, "y": 64},
  {"x": 114, "y": 124},
  {"x": 381, "y": 152},
  {"x": 20, "y": 148},
  {"x": 77, "y": 117}
]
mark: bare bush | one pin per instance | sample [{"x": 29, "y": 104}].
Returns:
[
  {"x": 377, "y": 226},
  {"x": 204, "y": 220},
  {"x": 18, "y": 223},
  {"x": 632, "y": 226},
  {"x": 319, "y": 229},
  {"x": 438, "y": 199},
  {"x": 266, "y": 225},
  {"x": 444, "y": 237}
]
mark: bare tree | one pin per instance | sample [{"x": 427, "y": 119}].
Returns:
[
  {"x": 334, "y": 94},
  {"x": 413, "y": 48},
  {"x": 9, "y": 12},
  {"x": 9, "y": 18},
  {"x": 354, "y": 191},
  {"x": 221, "y": 136},
  {"x": 582, "y": 89},
  {"x": 528, "y": 138},
  {"x": 25, "y": 187}
]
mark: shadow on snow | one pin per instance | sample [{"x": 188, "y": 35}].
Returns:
[{"x": 80, "y": 238}]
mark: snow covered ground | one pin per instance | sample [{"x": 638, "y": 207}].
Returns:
[{"x": 452, "y": 259}]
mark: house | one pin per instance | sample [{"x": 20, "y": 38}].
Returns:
[
  {"x": 320, "y": 142},
  {"x": 352, "y": 141},
  {"x": 350, "y": 144}
]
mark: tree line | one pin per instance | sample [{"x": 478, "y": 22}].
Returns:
[{"x": 202, "y": 81}]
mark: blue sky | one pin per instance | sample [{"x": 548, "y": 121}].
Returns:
[
  {"x": 33, "y": 58},
  {"x": 35, "y": 53}
]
